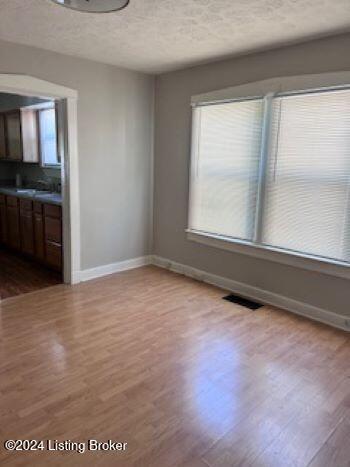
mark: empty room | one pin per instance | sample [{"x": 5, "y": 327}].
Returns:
[{"x": 175, "y": 233}]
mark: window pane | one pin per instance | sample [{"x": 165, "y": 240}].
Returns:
[
  {"x": 307, "y": 199},
  {"x": 225, "y": 168},
  {"x": 48, "y": 136}
]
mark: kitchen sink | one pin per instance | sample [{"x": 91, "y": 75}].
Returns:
[
  {"x": 32, "y": 191},
  {"x": 24, "y": 190}
]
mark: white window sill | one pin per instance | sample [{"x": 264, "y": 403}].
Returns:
[{"x": 324, "y": 266}]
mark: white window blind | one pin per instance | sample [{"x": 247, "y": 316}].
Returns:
[
  {"x": 225, "y": 168},
  {"x": 308, "y": 175},
  {"x": 302, "y": 173},
  {"x": 48, "y": 136}
]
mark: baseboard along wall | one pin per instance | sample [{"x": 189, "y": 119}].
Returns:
[{"x": 240, "y": 288}]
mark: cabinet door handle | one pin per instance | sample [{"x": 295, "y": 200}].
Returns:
[{"x": 51, "y": 242}]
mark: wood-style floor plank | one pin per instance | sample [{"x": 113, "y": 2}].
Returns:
[
  {"x": 335, "y": 451},
  {"x": 161, "y": 362}
]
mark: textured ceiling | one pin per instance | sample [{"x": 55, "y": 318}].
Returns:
[{"x": 160, "y": 35}]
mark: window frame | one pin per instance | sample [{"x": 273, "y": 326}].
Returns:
[{"x": 267, "y": 90}]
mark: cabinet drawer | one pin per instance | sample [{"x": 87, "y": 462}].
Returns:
[
  {"x": 54, "y": 255},
  {"x": 12, "y": 201},
  {"x": 2, "y": 199},
  {"x": 51, "y": 210},
  {"x": 26, "y": 205},
  {"x": 53, "y": 229}
]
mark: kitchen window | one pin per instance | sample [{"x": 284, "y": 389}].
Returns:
[
  {"x": 48, "y": 137},
  {"x": 273, "y": 172}
]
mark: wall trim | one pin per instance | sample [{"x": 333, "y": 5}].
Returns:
[
  {"x": 264, "y": 296},
  {"x": 246, "y": 290},
  {"x": 107, "y": 269},
  {"x": 269, "y": 253},
  {"x": 276, "y": 84}
]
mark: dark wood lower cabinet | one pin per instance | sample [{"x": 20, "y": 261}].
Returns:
[
  {"x": 13, "y": 224},
  {"x": 54, "y": 254},
  {"x": 53, "y": 236},
  {"x": 26, "y": 226},
  {"x": 39, "y": 241},
  {"x": 53, "y": 230},
  {"x": 32, "y": 227},
  {"x": 27, "y": 233},
  {"x": 3, "y": 223}
]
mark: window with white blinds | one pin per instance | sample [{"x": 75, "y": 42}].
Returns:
[
  {"x": 275, "y": 172},
  {"x": 225, "y": 168}
]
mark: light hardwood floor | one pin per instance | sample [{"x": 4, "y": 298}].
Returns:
[{"x": 161, "y": 362}]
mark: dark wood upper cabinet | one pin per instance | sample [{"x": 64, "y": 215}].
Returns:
[
  {"x": 30, "y": 139},
  {"x": 13, "y": 135},
  {"x": 30, "y": 134}
]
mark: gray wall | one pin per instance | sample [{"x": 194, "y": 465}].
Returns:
[
  {"x": 172, "y": 153},
  {"x": 115, "y": 111}
]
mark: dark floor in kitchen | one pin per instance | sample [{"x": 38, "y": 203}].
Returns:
[{"x": 19, "y": 275}]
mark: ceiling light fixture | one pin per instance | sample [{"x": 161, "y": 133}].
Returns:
[{"x": 94, "y": 6}]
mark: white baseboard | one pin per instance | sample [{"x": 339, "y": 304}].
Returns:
[
  {"x": 264, "y": 296},
  {"x": 100, "y": 271},
  {"x": 249, "y": 291}
]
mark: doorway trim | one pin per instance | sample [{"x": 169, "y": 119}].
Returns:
[{"x": 26, "y": 85}]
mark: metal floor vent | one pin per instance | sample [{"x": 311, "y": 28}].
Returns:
[{"x": 243, "y": 302}]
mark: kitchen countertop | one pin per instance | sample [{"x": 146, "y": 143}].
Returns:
[{"x": 35, "y": 195}]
